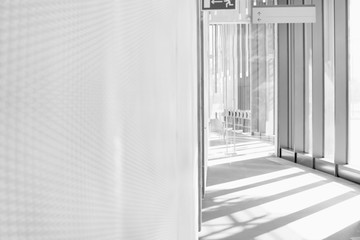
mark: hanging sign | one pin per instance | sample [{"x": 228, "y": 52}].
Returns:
[
  {"x": 218, "y": 4},
  {"x": 284, "y": 14}
]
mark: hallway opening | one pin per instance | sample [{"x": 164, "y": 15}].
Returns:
[
  {"x": 273, "y": 90},
  {"x": 240, "y": 86}
]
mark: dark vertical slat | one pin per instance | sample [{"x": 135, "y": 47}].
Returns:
[
  {"x": 254, "y": 79},
  {"x": 341, "y": 82},
  {"x": 318, "y": 82}
]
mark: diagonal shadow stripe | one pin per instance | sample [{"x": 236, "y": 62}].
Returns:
[
  {"x": 236, "y": 207},
  {"x": 243, "y": 224},
  {"x": 258, "y": 184},
  {"x": 282, "y": 221}
]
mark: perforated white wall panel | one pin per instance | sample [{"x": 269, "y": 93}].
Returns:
[{"x": 98, "y": 120}]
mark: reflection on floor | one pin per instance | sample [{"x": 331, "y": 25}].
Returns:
[
  {"x": 251, "y": 197},
  {"x": 237, "y": 145}
]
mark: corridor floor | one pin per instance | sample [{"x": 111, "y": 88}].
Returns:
[{"x": 250, "y": 196}]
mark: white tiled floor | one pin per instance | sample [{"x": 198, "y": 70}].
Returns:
[{"x": 252, "y": 197}]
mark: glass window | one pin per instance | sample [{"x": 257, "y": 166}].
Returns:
[
  {"x": 329, "y": 76},
  {"x": 308, "y": 88},
  {"x": 354, "y": 82},
  {"x": 308, "y": 84}
]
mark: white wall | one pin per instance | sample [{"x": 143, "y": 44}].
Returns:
[{"x": 98, "y": 120}]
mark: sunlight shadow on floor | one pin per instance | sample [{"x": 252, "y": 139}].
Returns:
[{"x": 264, "y": 198}]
